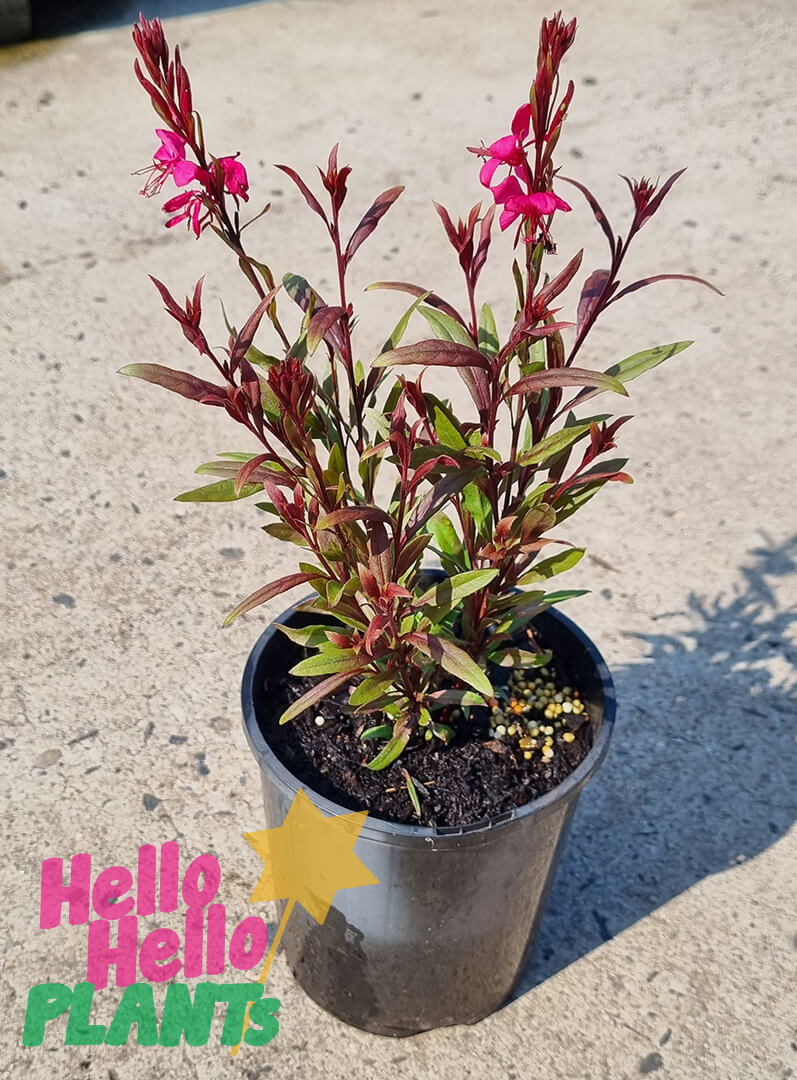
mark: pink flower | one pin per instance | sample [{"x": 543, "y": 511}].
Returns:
[
  {"x": 509, "y": 150},
  {"x": 519, "y": 203},
  {"x": 169, "y": 160},
  {"x": 235, "y": 179},
  {"x": 191, "y": 204}
]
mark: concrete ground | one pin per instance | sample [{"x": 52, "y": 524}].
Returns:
[{"x": 670, "y": 944}]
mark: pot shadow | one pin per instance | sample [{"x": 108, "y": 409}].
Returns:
[
  {"x": 701, "y": 773},
  {"x": 52, "y": 18}
]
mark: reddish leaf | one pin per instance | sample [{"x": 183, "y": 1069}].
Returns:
[
  {"x": 322, "y": 321},
  {"x": 379, "y": 557},
  {"x": 375, "y": 628},
  {"x": 438, "y": 496},
  {"x": 434, "y": 353},
  {"x": 428, "y": 297},
  {"x": 266, "y": 593},
  {"x": 550, "y": 291},
  {"x": 566, "y": 377},
  {"x": 309, "y": 197},
  {"x": 590, "y": 295},
  {"x": 246, "y": 470},
  {"x": 318, "y": 693},
  {"x": 663, "y": 277},
  {"x": 371, "y": 219},
  {"x": 354, "y": 513},
  {"x": 180, "y": 382},
  {"x": 478, "y": 387},
  {"x": 245, "y": 338},
  {"x": 594, "y": 206}
]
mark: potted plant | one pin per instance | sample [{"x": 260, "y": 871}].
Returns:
[{"x": 456, "y": 704}]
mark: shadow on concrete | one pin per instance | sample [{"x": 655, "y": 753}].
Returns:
[
  {"x": 55, "y": 17},
  {"x": 701, "y": 774}
]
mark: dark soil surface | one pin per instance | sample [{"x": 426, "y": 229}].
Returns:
[{"x": 473, "y": 778}]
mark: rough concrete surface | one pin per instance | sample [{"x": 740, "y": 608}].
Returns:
[{"x": 670, "y": 944}]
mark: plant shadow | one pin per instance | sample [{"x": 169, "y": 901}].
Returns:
[
  {"x": 701, "y": 773},
  {"x": 52, "y": 18}
]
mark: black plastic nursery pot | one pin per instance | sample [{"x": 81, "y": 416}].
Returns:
[{"x": 444, "y": 937}]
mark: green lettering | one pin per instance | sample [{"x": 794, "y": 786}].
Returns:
[
  {"x": 79, "y": 1032},
  {"x": 181, "y": 1016},
  {"x": 238, "y": 996},
  {"x": 262, "y": 1014},
  {"x": 45, "y": 1002},
  {"x": 136, "y": 1007}
]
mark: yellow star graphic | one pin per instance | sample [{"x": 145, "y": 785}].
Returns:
[
  {"x": 309, "y": 857},
  {"x": 306, "y": 858}
]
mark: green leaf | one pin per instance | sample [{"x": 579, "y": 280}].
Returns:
[
  {"x": 309, "y": 636},
  {"x": 412, "y": 791},
  {"x": 222, "y": 491},
  {"x": 446, "y": 594},
  {"x": 518, "y": 658},
  {"x": 446, "y": 427},
  {"x": 488, "y": 334},
  {"x": 478, "y": 506},
  {"x": 261, "y": 359},
  {"x": 548, "y": 568},
  {"x": 327, "y": 662},
  {"x": 381, "y": 731},
  {"x": 445, "y": 328},
  {"x": 388, "y": 754},
  {"x": 634, "y": 366},
  {"x": 282, "y": 531},
  {"x": 372, "y": 687},
  {"x": 553, "y": 444},
  {"x": 401, "y": 326},
  {"x": 452, "y": 659}
]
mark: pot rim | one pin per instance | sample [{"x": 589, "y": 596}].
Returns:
[{"x": 380, "y": 829}]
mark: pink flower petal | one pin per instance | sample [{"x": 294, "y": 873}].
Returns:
[
  {"x": 522, "y": 121},
  {"x": 505, "y": 149},
  {"x": 487, "y": 171},
  {"x": 507, "y": 189},
  {"x": 507, "y": 217},
  {"x": 545, "y": 202},
  {"x": 172, "y": 146},
  {"x": 185, "y": 172}
]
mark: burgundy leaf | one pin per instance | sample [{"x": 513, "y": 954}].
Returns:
[
  {"x": 550, "y": 291},
  {"x": 322, "y": 321},
  {"x": 266, "y": 593},
  {"x": 375, "y": 628},
  {"x": 478, "y": 387},
  {"x": 438, "y": 496},
  {"x": 590, "y": 295},
  {"x": 657, "y": 199},
  {"x": 246, "y": 336},
  {"x": 371, "y": 219},
  {"x": 594, "y": 205},
  {"x": 354, "y": 513},
  {"x": 318, "y": 693},
  {"x": 434, "y": 353},
  {"x": 180, "y": 382},
  {"x": 428, "y": 297},
  {"x": 379, "y": 557},
  {"x": 533, "y": 384},
  {"x": 663, "y": 277},
  {"x": 246, "y": 470},
  {"x": 309, "y": 197}
]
